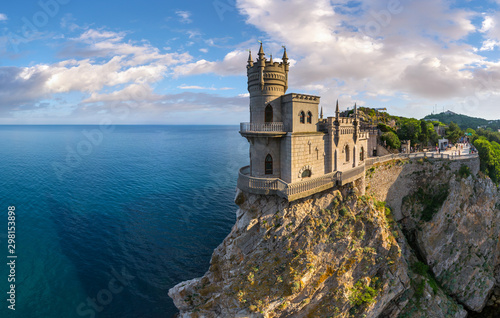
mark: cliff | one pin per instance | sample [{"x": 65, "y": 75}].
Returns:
[{"x": 432, "y": 250}]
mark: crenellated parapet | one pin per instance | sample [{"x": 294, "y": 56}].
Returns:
[{"x": 267, "y": 76}]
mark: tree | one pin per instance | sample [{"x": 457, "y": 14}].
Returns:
[
  {"x": 453, "y": 133},
  {"x": 391, "y": 140},
  {"x": 385, "y": 128},
  {"x": 425, "y": 132},
  {"x": 489, "y": 155},
  {"x": 409, "y": 130}
]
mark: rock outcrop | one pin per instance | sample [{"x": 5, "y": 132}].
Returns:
[{"x": 340, "y": 254}]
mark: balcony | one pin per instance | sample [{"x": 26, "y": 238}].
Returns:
[
  {"x": 289, "y": 191},
  {"x": 274, "y": 129}
]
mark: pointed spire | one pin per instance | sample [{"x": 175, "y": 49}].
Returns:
[
  {"x": 355, "y": 111},
  {"x": 285, "y": 59},
  {"x": 261, "y": 51},
  {"x": 261, "y": 60},
  {"x": 321, "y": 113},
  {"x": 250, "y": 62},
  {"x": 337, "y": 109},
  {"x": 271, "y": 59}
]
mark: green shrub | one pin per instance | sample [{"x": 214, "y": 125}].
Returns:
[
  {"x": 363, "y": 294},
  {"x": 391, "y": 139},
  {"x": 464, "y": 171},
  {"x": 432, "y": 199}
]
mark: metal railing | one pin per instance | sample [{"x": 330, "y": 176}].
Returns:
[
  {"x": 292, "y": 191},
  {"x": 286, "y": 190},
  {"x": 262, "y": 127},
  {"x": 434, "y": 155},
  {"x": 308, "y": 185}
]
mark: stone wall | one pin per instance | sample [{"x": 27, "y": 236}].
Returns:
[
  {"x": 259, "y": 149},
  {"x": 341, "y": 162},
  {"x": 307, "y": 153},
  {"x": 291, "y": 108},
  {"x": 258, "y": 105},
  {"x": 391, "y": 181}
]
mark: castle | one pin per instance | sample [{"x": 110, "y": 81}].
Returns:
[{"x": 294, "y": 151}]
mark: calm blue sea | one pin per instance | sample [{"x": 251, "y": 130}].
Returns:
[{"x": 108, "y": 221}]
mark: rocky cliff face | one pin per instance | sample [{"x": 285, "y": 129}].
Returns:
[{"x": 339, "y": 254}]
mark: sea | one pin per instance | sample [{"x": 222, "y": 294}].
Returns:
[{"x": 108, "y": 218}]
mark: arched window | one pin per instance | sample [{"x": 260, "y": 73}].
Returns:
[
  {"x": 302, "y": 117},
  {"x": 347, "y": 153},
  {"x": 269, "y": 164},
  {"x": 309, "y": 117},
  {"x": 362, "y": 154},
  {"x": 268, "y": 118},
  {"x": 306, "y": 173}
]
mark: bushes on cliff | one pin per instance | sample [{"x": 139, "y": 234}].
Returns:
[
  {"x": 430, "y": 198},
  {"x": 385, "y": 128},
  {"x": 391, "y": 140},
  {"x": 464, "y": 171},
  {"x": 489, "y": 155}
]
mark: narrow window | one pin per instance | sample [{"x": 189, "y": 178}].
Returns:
[
  {"x": 269, "y": 164},
  {"x": 302, "y": 117},
  {"x": 268, "y": 114},
  {"x": 362, "y": 154},
  {"x": 306, "y": 173},
  {"x": 309, "y": 117},
  {"x": 347, "y": 153}
]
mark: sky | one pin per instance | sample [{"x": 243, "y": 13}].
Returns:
[{"x": 184, "y": 62}]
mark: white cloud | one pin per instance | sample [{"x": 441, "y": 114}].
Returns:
[
  {"x": 185, "y": 16},
  {"x": 368, "y": 48},
  {"x": 3, "y": 17},
  {"x": 488, "y": 24},
  {"x": 489, "y": 45},
  {"x": 233, "y": 64},
  {"x": 111, "y": 63},
  {"x": 491, "y": 32},
  {"x": 196, "y": 87},
  {"x": 203, "y": 50}
]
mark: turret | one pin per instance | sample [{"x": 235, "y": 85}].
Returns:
[
  {"x": 250, "y": 62},
  {"x": 355, "y": 123},
  {"x": 337, "y": 112},
  {"x": 285, "y": 66},
  {"x": 285, "y": 59},
  {"x": 262, "y": 65},
  {"x": 266, "y": 77}
]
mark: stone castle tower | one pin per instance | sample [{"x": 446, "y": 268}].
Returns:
[
  {"x": 267, "y": 81},
  {"x": 289, "y": 143}
]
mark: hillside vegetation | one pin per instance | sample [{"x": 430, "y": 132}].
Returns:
[{"x": 464, "y": 121}]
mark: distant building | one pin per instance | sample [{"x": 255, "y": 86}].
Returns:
[
  {"x": 443, "y": 144},
  {"x": 440, "y": 130}
]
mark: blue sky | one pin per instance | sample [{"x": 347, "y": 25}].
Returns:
[{"x": 164, "y": 62}]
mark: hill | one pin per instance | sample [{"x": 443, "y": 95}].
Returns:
[{"x": 464, "y": 121}]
